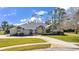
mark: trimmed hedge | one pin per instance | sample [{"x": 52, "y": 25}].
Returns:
[{"x": 69, "y": 30}]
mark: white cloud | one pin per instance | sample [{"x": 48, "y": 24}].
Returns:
[
  {"x": 23, "y": 20},
  {"x": 32, "y": 19},
  {"x": 19, "y": 24},
  {"x": 5, "y": 15},
  {"x": 40, "y": 12},
  {"x": 40, "y": 19},
  {"x": 10, "y": 14}
]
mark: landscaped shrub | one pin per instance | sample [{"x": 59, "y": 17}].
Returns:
[
  {"x": 7, "y": 32},
  {"x": 55, "y": 33},
  {"x": 20, "y": 34},
  {"x": 48, "y": 31},
  {"x": 69, "y": 30},
  {"x": 58, "y": 33}
]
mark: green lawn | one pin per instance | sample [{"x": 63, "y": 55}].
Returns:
[
  {"x": 15, "y": 41},
  {"x": 1, "y": 32},
  {"x": 69, "y": 37},
  {"x": 24, "y": 48}
]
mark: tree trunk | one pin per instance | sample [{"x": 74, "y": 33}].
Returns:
[
  {"x": 76, "y": 29},
  {"x": 76, "y": 32}
]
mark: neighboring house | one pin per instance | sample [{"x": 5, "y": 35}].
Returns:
[{"x": 29, "y": 28}]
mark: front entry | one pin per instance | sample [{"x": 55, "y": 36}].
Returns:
[
  {"x": 19, "y": 31},
  {"x": 31, "y": 32},
  {"x": 40, "y": 30}
]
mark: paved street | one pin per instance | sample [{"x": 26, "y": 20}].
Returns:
[{"x": 57, "y": 49}]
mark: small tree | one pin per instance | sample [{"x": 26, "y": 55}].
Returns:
[{"x": 6, "y": 26}]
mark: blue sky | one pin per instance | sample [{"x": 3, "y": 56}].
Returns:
[{"x": 15, "y": 15}]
